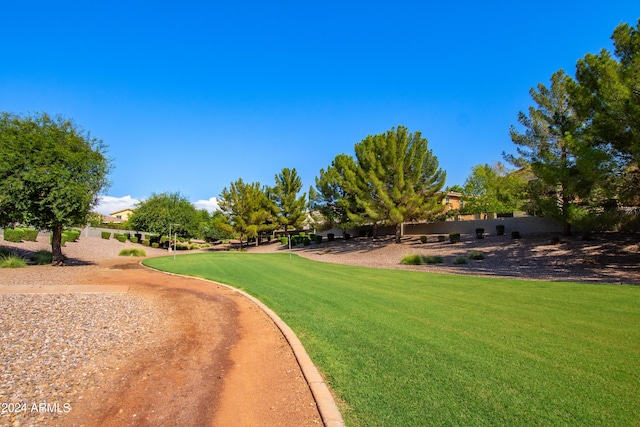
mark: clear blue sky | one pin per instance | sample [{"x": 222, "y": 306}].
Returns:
[{"x": 189, "y": 96}]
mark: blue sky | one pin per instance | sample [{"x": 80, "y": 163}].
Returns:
[{"x": 190, "y": 96}]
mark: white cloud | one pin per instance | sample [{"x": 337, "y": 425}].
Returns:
[
  {"x": 108, "y": 204},
  {"x": 210, "y": 205}
]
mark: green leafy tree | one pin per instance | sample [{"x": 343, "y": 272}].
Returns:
[
  {"x": 166, "y": 211},
  {"x": 493, "y": 189},
  {"x": 247, "y": 209},
  {"x": 51, "y": 174},
  {"x": 214, "y": 226},
  {"x": 567, "y": 169},
  {"x": 331, "y": 197},
  {"x": 397, "y": 179},
  {"x": 607, "y": 97},
  {"x": 291, "y": 208}
]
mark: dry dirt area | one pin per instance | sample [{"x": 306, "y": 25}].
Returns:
[{"x": 202, "y": 355}]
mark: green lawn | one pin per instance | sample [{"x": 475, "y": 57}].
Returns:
[{"x": 410, "y": 349}]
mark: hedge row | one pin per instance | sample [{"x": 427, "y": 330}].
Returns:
[{"x": 19, "y": 234}]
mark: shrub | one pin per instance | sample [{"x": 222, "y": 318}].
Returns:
[
  {"x": 296, "y": 240},
  {"x": 500, "y": 230},
  {"x": 331, "y": 237},
  {"x": 454, "y": 237},
  {"x": 317, "y": 239},
  {"x": 155, "y": 245},
  {"x": 460, "y": 260},
  {"x": 347, "y": 236},
  {"x": 515, "y": 234},
  {"x": 105, "y": 235},
  {"x": 12, "y": 261},
  {"x": 13, "y": 235},
  {"x": 302, "y": 234},
  {"x": 441, "y": 238},
  {"x": 134, "y": 240},
  {"x": 476, "y": 255},
  {"x": 132, "y": 252},
  {"x": 423, "y": 239},
  {"x": 284, "y": 241},
  {"x": 30, "y": 234},
  {"x": 306, "y": 241},
  {"x": 555, "y": 240},
  {"x": 479, "y": 233},
  {"x": 414, "y": 259},
  {"x": 42, "y": 257},
  {"x": 71, "y": 235},
  {"x": 146, "y": 243},
  {"x": 431, "y": 259},
  {"x": 122, "y": 238}
]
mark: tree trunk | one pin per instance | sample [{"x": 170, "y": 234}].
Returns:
[
  {"x": 398, "y": 233},
  {"x": 375, "y": 230},
  {"x": 566, "y": 229},
  {"x": 56, "y": 246}
]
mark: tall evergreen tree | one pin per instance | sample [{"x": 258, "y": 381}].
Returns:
[
  {"x": 397, "y": 179},
  {"x": 247, "y": 208},
  {"x": 567, "y": 169},
  {"x": 291, "y": 208},
  {"x": 607, "y": 97}
]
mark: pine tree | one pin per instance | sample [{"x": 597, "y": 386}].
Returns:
[{"x": 291, "y": 209}]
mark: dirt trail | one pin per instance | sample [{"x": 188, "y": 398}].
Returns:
[{"x": 222, "y": 362}]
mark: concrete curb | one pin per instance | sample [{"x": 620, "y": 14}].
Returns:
[{"x": 327, "y": 406}]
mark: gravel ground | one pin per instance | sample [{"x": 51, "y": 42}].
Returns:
[{"x": 55, "y": 347}]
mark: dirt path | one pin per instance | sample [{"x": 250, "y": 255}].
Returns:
[{"x": 222, "y": 362}]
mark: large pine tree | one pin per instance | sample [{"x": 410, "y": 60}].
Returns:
[{"x": 291, "y": 208}]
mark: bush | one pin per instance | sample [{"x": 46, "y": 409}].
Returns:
[
  {"x": 331, "y": 237},
  {"x": 454, "y": 237},
  {"x": 306, "y": 241},
  {"x": 132, "y": 252},
  {"x": 430, "y": 259},
  {"x": 347, "y": 236},
  {"x": 555, "y": 240},
  {"x": 284, "y": 241},
  {"x": 71, "y": 235},
  {"x": 146, "y": 243},
  {"x": 155, "y": 245},
  {"x": 500, "y": 229},
  {"x": 460, "y": 260},
  {"x": 414, "y": 259},
  {"x": 296, "y": 240},
  {"x": 42, "y": 257},
  {"x": 105, "y": 235},
  {"x": 30, "y": 234},
  {"x": 441, "y": 238},
  {"x": 12, "y": 261},
  {"x": 317, "y": 239},
  {"x": 423, "y": 239},
  {"x": 122, "y": 238},
  {"x": 134, "y": 240},
  {"x": 479, "y": 233},
  {"x": 13, "y": 235},
  {"x": 515, "y": 234},
  {"x": 476, "y": 255}
]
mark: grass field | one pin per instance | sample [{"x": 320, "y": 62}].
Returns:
[{"x": 403, "y": 348}]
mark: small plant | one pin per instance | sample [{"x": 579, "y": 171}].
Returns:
[
  {"x": 30, "y": 234},
  {"x": 12, "y": 261},
  {"x": 515, "y": 234},
  {"x": 317, "y": 239},
  {"x": 146, "y": 243},
  {"x": 122, "y": 238},
  {"x": 555, "y": 240},
  {"x": 441, "y": 238},
  {"x": 155, "y": 245},
  {"x": 42, "y": 257},
  {"x": 460, "y": 261},
  {"x": 431, "y": 259},
  {"x": 500, "y": 229},
  {"x": 476, "y": 255},
  {"x": 414, "y": 259},
  {"x": 105, "y": 235},
  {"x": 134, "y": 240},
  {"x": 454, "y": 237},
  {"x": 331, "y": 236},
  {"x": 347, "y": 236},
  {"x": 423, "y": 239},
  {"x": 306, "y": 241},
  {"x": 13, "y": 235},
  {"x": 479, "y": 233},
  {"x": 132, "y": 252},
  {"x": 284, "y": 241}
]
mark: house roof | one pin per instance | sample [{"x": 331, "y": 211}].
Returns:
[{"x": 121, "y": 211}]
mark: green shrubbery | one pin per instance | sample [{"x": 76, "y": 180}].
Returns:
[
  {"x": 454, "y": 237},
  {"x": 8, "y": 259},
  {"x": 121, "y": 238},
  {"x": 13, "y": 235},
  {"x": 155, "y": 245},
  {"x": 284, "y": 241},
  {"x": 134, "y": 240},
  {"x": 132, "y": 252},
  {"x": 416, "y": 259},
  {"x": 460, "y": 260},
  {"x": 30, "y": 234},
  {"x": 105, "y": 235},
  {"x": 42, "y": 257},
  {"x": 423, "y": 239},
  {"x": 476, "y": 255}
]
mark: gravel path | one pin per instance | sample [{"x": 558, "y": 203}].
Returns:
[{"x": 55, "y": 347}]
